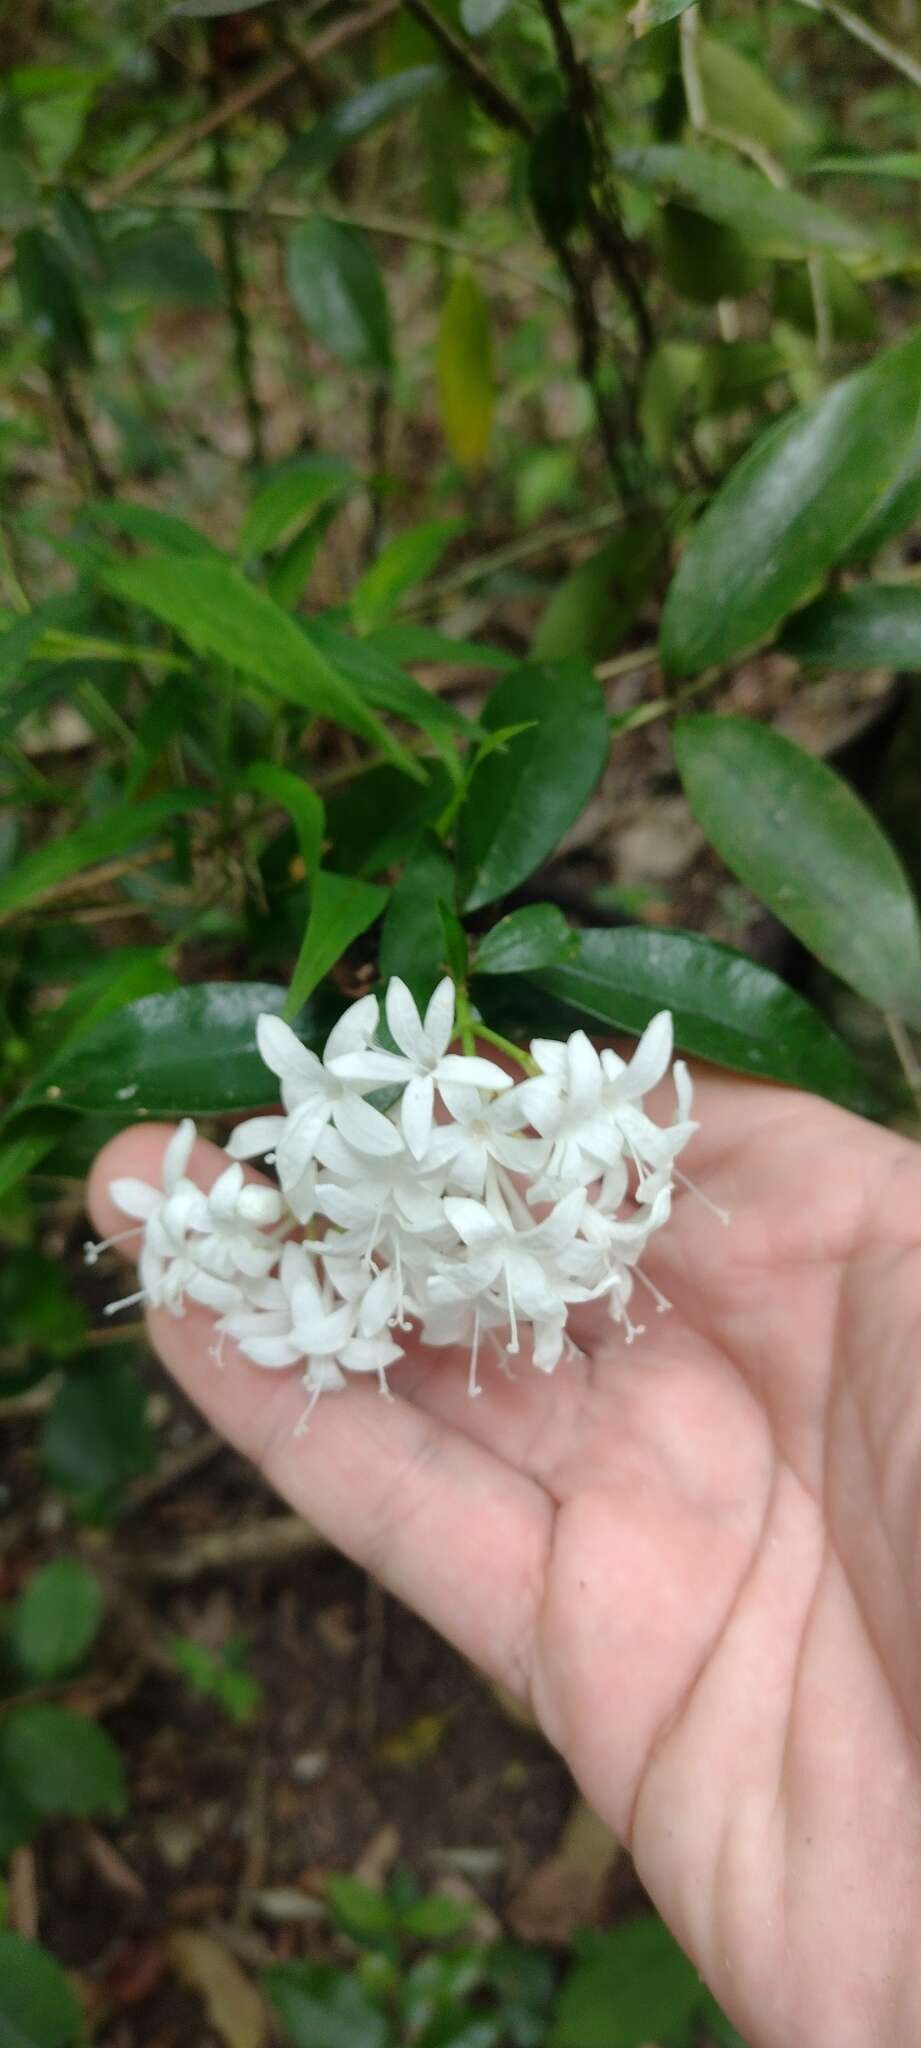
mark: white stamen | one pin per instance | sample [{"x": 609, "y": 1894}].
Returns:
[
  {"x": 661, "y": 1300},
  {"x": 130, "y": 1301},
  {"x": 92, "y": 1251},
  {"x": 472, "y": 1384},
  {"x": 693, "y": 1189}
]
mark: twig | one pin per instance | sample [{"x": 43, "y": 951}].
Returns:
[
  {"x": 233, "y": 286},
  {"x": 172, "y": 1470},
  {"x": 863, "y": 32},
  {"x": 513, "y": 551},
  {"x": 268, "y": 1542},
  {"x": 493, "y": 99},
  {"x": 77, "y": 428},
  {"x": 369, "y": 219},
  {"x": 166, "y": 152}
]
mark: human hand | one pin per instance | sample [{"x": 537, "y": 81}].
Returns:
[{"x": 697, "y": 1557}]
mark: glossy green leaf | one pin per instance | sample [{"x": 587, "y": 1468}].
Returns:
[
  {"x": 187, "y": 1054},
  {"x": 290, "y": 499},
  {"x": 341, "y": 908},
  {"x": 51, "y": 303},
  {"x": 412, "y": 934},
  {"x": 339, "y": 292},
  {"x": 626, "y": 1987},
  {"x": 897, "y": 509},
  {"x": 406, "y": 561},
  {"x": 596, "y": 604},
  {"x": 379, "y": 819},
  {"x": 726, "y": 1008},
  {"x": 877, "y": 625},
  {"x": 96, "y": 1436},
  {"x": 537, "y": 936},
  {"x": 787, "y": 511},
  {"x": 778, "y": 221},
  {"x": 213, "y": 606},
  {"x": 322, "y": 2007},
  {"x": 464, "y": 363},
  {"x": 124, "y": 826},
  {"x": 38, "y": 2009},
  {"x": 56, "y": 1618},
  {"x": 527, "y": 793},
  {"x": 798, "y": 837},
  {"x": 64, "y": 1763},
  {"x": 351, "y": 118}
]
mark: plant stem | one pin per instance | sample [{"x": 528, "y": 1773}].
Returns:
[
  {"x": 906, "y": 1054},
  {"x": 234, "y": 289},
  {"x": 514, "y": 1052},
  {"x": 863, "y": 32}
]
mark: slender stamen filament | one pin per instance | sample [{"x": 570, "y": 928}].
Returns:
[
  {"x": 693, "y": 1189},
  {"x": 661, "y": 1300},
  {"x": 472, "y": 1384},
  {"x": 92, "y": 1251}
]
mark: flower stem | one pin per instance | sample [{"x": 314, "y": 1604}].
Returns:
[
  {"x": 515, "y": 1052},
  {"x": 465, "y": 1022}
]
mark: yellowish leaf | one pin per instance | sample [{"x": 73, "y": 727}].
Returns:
[
  {"x": 465, "y": 372},
  {"x": 234, "y": 2008}
]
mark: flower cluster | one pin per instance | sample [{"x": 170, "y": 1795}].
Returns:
[{"x": 471, "y": 1207}]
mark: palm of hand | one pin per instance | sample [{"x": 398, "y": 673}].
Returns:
[{"x": 698, "y": 1556}]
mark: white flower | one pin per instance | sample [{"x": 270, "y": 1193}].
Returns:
[
  {"x": 423, "y": 1061},
  {"x": 311, "y": 1094},
  {"x": 565, "y": 1104},
  {"x": 517, "y": 1267},
  {"x": 481, "y": 1133}
]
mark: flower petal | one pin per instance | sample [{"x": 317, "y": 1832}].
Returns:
[
  {"x": 472, "y": 1071},
  {"x": 283, "y": 1053},
  {"x": 366, "y": 1128},
  {"x": 254, "y": 1138},
  {"x": 176, "y": 1156},
  {"x": 651, "y": 1057},
  {"x": 354, "y": 1030},
  {"x": 405, "y": 1023},
  {"x": 416, "y": 1112},
  {"x": 439, "y": 1017},
  {"x": 134, "y": 1197},
  {"x": 225, "y": 1193}
]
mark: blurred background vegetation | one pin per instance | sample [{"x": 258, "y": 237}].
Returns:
[{"x": 436, "y": 325}]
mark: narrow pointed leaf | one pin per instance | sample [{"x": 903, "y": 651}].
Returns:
[
  {"x": 465, "y": 372},
  {"x": 341, "y": 908},
  {"x": 123, "y": 827},
  {"x": 405, "y": 562},
  {"x": 339, "y": 292},
  {"x": 876, "y": 626},
  {"x": 780, "y": 222},
  {"x": 788, "y": 510},
  {"x": 798, "y": 837},
  {"x": 345, "y": 123},
  {"x": 530, "y": 788}
]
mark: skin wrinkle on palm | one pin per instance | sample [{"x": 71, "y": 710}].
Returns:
[{"x": 715, "y": 1532}]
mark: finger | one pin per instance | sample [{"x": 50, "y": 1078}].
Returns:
[{"x": 442, "y": 1521}]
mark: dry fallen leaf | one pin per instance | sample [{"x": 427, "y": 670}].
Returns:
[{"x": 235, "y": 2009}]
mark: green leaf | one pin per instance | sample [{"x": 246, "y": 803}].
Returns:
[
  {"x": 649, "y": 14},
  {"x": 382, "y": 683},
  {"x": 51, "y": 304},
  {"x": 893, "y": 163},
  {"x": 163, "y": 263},
  {"x": 406, "y": 561},
  {"x": 875, "y": 626},
  {"x": 526, "y": 794},
  {"x": 339, "y": 293},
  {"x": 361, "y": 1911},
  {"x": 19, "y": 1823},
  {"x": 38, "y": 2009},
  {"x": 148, "y": 523},
  {"x": 800, "y": 839},
  {"x": 322, "y": 2007},
  {"x": 96, "y": 1437},
  {"x": 464, "y": 363},
  {"x": 21, "y": 639},
  {"x": 897, "y": 509},
  {"x": 779, "y": 221},
  {"x": 64, "y": 1763},
  {"x": 38, "y": 1309},
  {"x": 341, "y": 908},
  {"x": 353, "y": 117},
  {"x": 479, "y": 16},
  {"x": 211, "y": 604},
  {"x": 726, "y": 1008},
  {"x": 626, "y": 1987},
  {"x": 20, "y": 200},
  {"x": 56, "y": 1618},
  {"x": 436, "y": 1918},
  {"x": 412, "y": 934},
  {"x": 561, "y": 165},
  {"x": 305, "y": 808},
  {"x": 737, "y": 96},
  {"x": 24, "y": 1147},
  {"x": 853, "y": 314},
  {"x": 289, "y": 499},
  {"x": 594, "y": 607},
  {"x": 192, "y": 1053},
  {"x": 787, "y": 511},
  {"x": 378, "y": 820},
  {"x": 123, "y": 827},
  {"x": 424, "y": 644},
  {"x": 537, "y": 936},
  {"x": 702, "y": 259}
]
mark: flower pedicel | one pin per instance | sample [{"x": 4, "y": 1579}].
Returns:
[{"x": 515, "y": 1203}]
